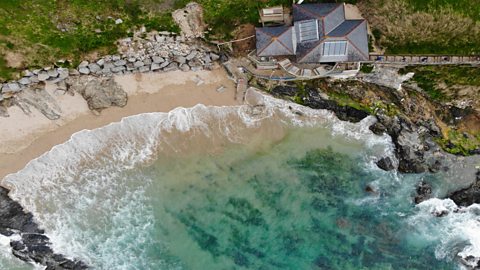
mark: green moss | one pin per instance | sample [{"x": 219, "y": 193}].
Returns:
[
  {"x": 344, "y": 99},
  {"x": 366, "y": 68},
  {"x": 459, "y": 143}
]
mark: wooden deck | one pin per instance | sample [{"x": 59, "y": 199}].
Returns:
[{"x": 424, "y": 59}]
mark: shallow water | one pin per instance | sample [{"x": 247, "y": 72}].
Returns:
[{"x": 236, "y": 188}]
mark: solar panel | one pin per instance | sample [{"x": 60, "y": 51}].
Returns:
[
  {"x": 335, "y": 48},
  {"x": 308, "y": 30}
]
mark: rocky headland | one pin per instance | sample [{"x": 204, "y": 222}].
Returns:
[{"x": 415, "y": 122}]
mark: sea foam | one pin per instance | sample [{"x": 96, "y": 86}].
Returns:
[{"x": 73, "y": 185}]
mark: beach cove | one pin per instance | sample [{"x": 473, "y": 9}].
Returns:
[{"x": 25, "y": 137}]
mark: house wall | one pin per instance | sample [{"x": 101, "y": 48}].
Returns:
[{"x": 334, "y": 19}]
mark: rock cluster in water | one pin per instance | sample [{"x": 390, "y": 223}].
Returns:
[{"x": 27, "y": 240}]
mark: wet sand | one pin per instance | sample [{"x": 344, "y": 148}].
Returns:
[{"x": 27, "y": 137}]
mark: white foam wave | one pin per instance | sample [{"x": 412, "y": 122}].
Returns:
[
  {"x": 457, "y": 229},
  {"x": 74, "y": 189}
]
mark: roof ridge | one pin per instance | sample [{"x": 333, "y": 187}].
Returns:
[
  {"x": 311, "y": 13},
  {"x": 338, "y": 5},
  {"x": 351, "y": 30},
  {"x": 311, "y": 49}
]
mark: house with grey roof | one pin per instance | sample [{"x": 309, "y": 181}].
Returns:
[{"x": 320, "y": 34}]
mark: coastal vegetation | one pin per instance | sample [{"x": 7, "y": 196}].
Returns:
[
  {"x": 424, "y": 27},
  {"x": 36, "y": 33},
  {"x": 74, "y": 30}
]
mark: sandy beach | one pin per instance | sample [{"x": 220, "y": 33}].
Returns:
[{"x": 26, "y": 137}]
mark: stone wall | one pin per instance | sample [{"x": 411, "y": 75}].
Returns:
[{"x": 145, "y": 52}]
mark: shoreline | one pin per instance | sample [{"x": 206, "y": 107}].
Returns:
[{"x": 147, "y": 92}]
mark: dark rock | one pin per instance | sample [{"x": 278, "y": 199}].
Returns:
[
  {"x": 378, "y": 128},
  {"x": 314, "y": 100},
  {"x": 34, "y": 245},
  {"x": 469, "y": 195},
  {"x": 424, "y": 192},
  {"x": 385, "y": 164}
]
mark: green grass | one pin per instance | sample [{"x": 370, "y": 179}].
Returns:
[
  {"x": 429, "y": 77},
  {"x": 366, "y": 68},
  {"x": 33, "y": 27}
]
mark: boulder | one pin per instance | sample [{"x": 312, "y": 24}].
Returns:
[
  {"x": 191, "y": 55},
  {"x": 154, "y": 67},
  {"x": 424, "y": 192},
  {"x": 164, "y": 64},
  {"x": 99, "y": 92},
  {"x": 101, "y": 62},
  {"x": 13, "y": 86},
  {"x": 27, "y": 73},
  {"x": 43, "y": 76},
  {"x": 184, "y": 67},
  {"x": 180, "y": 59},
  {"x": 378, "y": 128},
  {"x": 24, "y": 81},
  {"x": 62, "y": 73},
  {"x": 144, "y": 69},
  {"x": 118, "y": 69},
  {"x": 84, "y": 70},
  {"x": 157, "y": 59},
  {"x": 138, "y": 64},
  {"x": 52, "y": 73},
  {"x": 190, "y": 20},
  {"x": 171, "y": 67},
  {"x": 120, "y": 62},
  {"x": 132, "y": 59},
  {"x": 214, "y": 56},
  {"x": 83, "y": 64},
  {"x": 94, "y": 68},
  {"x": 385, "y": 164}
]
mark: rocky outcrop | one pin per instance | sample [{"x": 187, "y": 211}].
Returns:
[
  {"x": 190, "y": 20},
  {"x": 386, "y": 164},
  {"x": 99, "y": 92},
  {"x": 28, "y": 241},
  {"x": 469, "y": 195},
  {"x": 424, "y": 192},
  {"x": 314, "y": 99}
]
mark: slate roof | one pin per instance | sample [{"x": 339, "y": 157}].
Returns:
[
  {"x": 345, "y": 28},
  {"x": 313, "y": 11},
  {"x": 275, "y": 40},
  {"x": 305, "y": 48}
]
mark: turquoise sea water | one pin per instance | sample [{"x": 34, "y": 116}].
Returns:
[{"x": 232, "y": 188}]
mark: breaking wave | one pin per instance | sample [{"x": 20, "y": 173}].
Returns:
[{"x": 94, "y": 204}]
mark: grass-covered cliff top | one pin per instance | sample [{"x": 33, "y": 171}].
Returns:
[{"x": 40, "y": 32}]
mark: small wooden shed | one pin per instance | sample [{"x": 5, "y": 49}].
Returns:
[{"x": 272, "y": 15}]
